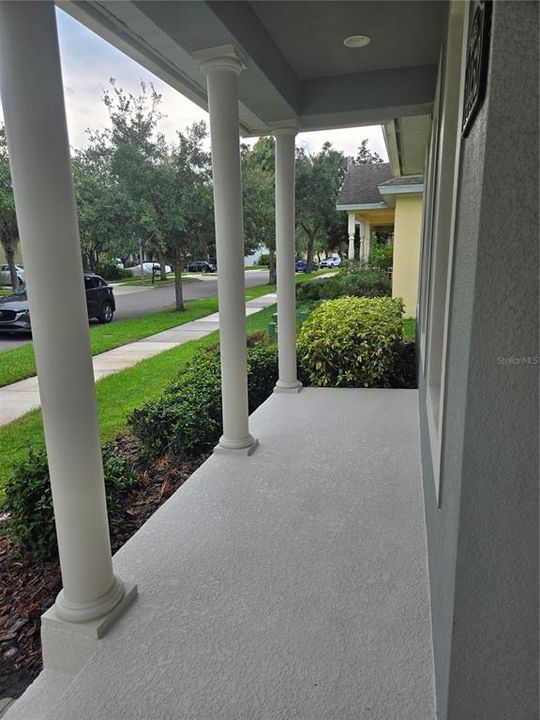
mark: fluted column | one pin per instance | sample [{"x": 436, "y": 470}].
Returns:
[
  {"x": 285, "y": 253},
  {"x": 33, "y": 101},
  {"x": 222, "y": 67}
]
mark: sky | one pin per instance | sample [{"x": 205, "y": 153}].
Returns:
[{"x": 88, "y": 63}]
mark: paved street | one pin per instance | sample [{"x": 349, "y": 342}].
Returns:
[{"x": 135, "y": 301}]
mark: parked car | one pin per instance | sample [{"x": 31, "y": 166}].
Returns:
[
  {"x": 5, "y": 275},
  {"x": 331, "y": 262},
  {"x": 200, "y": 266},
  {"x": 100, "y": 303},
  {"x": 302, "y": 266},
  {"x": 148, "y": 268}
]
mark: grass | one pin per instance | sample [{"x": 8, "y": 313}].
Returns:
[
  {"x": 117, "y": 396},
  {"x": 409, "y": 329},
  {"x": 19, "y": 363},
  {"x": 5, "y": 291}
]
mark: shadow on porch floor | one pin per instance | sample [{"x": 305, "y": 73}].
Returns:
[{"x": 288, "y": 584}]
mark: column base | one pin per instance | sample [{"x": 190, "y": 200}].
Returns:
[
  {"x": 85, "y": 612},
  {"x": 67, "y": 645},
  {"x": 285, "y": 387},
  {"x": 225, "y": 447}
]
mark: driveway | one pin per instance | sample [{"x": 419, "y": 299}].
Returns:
[{"x": 132, "y": 301}]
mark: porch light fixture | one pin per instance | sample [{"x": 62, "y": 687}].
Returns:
[{"x": 357, "y": 41}]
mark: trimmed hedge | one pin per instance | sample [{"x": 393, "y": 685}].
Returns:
[
  {"x": 186, "y": 419},
  {"x": 352, "y": 342},
  {"x": 358, "y": 280},
  {"x": 29, "y": 500}
]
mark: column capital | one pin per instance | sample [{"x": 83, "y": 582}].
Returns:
[
  {"x": 285, "y": 127},
  {"x": 224, "y": 57}
]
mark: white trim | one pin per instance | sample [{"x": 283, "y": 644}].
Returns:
[
  {"x": 401, "y": 189},
  {"x": 365, "y": 206}
]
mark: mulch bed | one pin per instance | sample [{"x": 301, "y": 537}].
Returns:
[{"x": 28, "y": 587}]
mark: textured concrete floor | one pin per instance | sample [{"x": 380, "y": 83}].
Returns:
[{"x": 288, "y": 584}]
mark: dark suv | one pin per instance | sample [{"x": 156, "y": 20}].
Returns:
[{"x": 15, "y": 315}]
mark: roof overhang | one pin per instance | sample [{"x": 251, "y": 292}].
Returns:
[{"x": 284, "y": 80}]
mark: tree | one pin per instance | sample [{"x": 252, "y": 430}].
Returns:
[
  {"x": 318, "y": 181},
  {"x": 258, "y": 189},
  {"x": 9, "y": 232},
  {"x": 365, "y": 156}
]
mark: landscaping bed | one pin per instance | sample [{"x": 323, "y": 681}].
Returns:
[{"x": 28, "y": 586}]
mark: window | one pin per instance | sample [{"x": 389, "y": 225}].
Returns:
[{"x": 439, "y": 227}]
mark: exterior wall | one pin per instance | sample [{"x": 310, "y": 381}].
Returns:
[
  {"x": 407, "y": 234},
  {"x": 482, "y": 530}
]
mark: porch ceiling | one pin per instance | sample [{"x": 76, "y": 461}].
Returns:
[
  {"x": 297, "y": 66},
  {"x": 291, "y": 583}
]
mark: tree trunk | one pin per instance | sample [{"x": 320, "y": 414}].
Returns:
[
  {"x": 310, "y": 244},
  {"x": 272, "y": 267},
  {"x": 10, "y": 257},
  {"x": 178, "y": 287},
  {"x": 162, "y": 271}
]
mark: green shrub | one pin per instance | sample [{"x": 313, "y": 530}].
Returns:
[
  {"x": 365, "y": 282},
  {"x": 108, "y": 270},
  {"x": 381, "y": 256},
  {"x": 357, "y": 280},
  {"x": 264, "y": 260},
  {"x": 314, "y": 289},
  {"x": 29, "y": 500},
  {"x": 351, "y": 342},
  {"x": 186, "y": 419}
]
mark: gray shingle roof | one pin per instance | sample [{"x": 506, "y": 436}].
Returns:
[
  {"x": 360, "y": 184},
  {"x": 405, "y": 180}
]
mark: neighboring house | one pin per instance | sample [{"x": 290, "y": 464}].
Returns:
[
  {"x": 374, "y": 198},
  {"x": 345, "y": 553}
]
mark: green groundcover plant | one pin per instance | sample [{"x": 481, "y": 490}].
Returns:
[
  {"x": 28, "y": 500},
  {"x": 352, "y": 342}
]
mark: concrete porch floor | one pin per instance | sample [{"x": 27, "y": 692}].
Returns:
[{"x": 288, "y": 584}]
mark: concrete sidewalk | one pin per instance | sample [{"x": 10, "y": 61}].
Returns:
[{"x": 21, "y": 397}]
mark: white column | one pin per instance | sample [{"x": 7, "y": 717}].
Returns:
[
  {"x": 32, "y": 96},
  {"x": 222, "y": 68},
  {"x": 352, "y": 228},
  {"x": 286, "y": 284},
  {"x": 368, "y": 242}
]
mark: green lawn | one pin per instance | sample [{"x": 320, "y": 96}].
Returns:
[
  {"x": 19, "y": 363},
  {"x": 409, "y": 329},
  {"x": 117, "y": 396}
]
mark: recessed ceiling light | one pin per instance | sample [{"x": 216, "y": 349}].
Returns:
[{"x": 357, "y": 41}]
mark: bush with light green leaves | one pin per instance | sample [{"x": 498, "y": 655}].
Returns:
[{"x": 352, "y": 342}]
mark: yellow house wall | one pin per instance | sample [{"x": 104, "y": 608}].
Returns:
[{"x": 407, "y": 231}]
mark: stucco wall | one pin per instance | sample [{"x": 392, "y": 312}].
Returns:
[
  {"x": 407, "y": 233},
  {"x": 483, "y": 541}
]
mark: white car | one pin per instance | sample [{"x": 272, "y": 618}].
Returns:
[
  {"x": 147, "y": 268},
  {"x": 5, "y": 276},
  {"x": 331, "y": 262}
]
